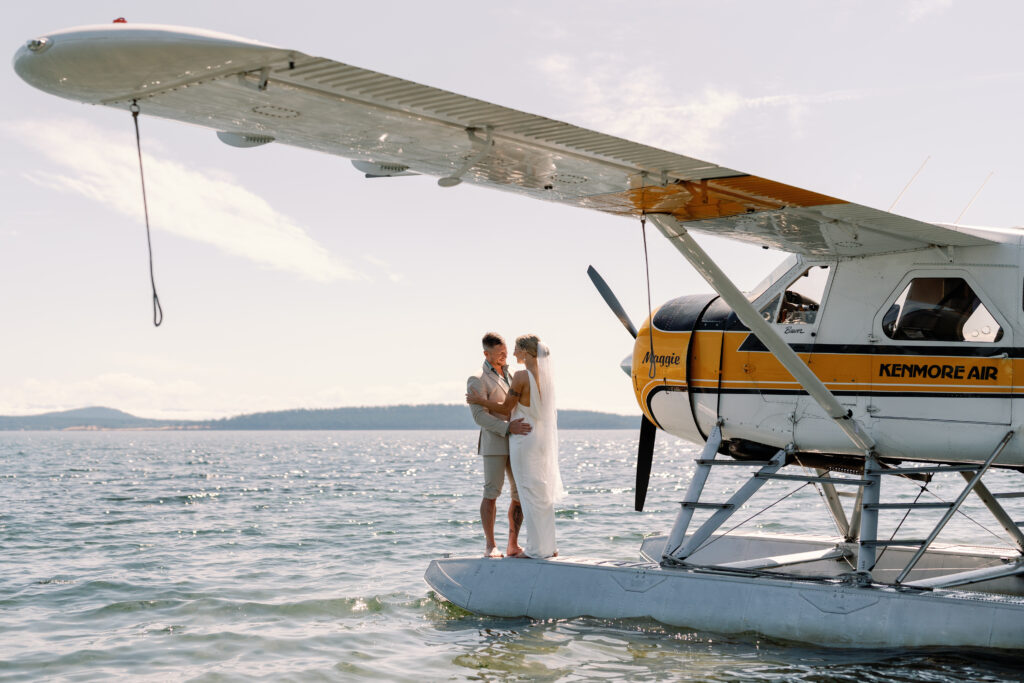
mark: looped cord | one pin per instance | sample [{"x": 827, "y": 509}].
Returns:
[
  {"x": 158, "y": 311},
  {"x": 650, "y": 316}
]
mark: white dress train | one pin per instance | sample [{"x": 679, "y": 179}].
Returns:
[{"x": 534, "y": 460}]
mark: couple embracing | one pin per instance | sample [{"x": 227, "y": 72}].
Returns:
[{"x": 518, "y": 438}]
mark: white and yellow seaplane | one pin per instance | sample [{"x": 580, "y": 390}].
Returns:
[{"x": 885, "y": 347}]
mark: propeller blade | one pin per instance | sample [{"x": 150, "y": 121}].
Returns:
[
  {"x": 609, "y": 298},
  {"x": 644, "y": 456},
  {"x": 648, "y": 430}
]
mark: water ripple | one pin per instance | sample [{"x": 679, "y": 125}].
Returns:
[{"x": 300, "y": 555}]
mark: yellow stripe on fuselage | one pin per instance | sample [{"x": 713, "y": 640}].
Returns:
[{"x": 717, "y": 363}]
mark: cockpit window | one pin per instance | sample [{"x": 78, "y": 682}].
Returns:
[
  {"x": 801, "y": 300},
  {"x": 768, "y": 310},
  {"x": 940, "y": 309},
  {"x": 784, "y": 267}
]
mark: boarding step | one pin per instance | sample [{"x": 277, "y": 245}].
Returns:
[
  {"x": 707, "y": 506},
  {"x": 789, "y": 559},
  {"x": 907, "y": 506},
  {"x": 821, "y": 480},
  {"x": 734, "y": 463},
  {"x": 906, "y": 542},
  {"x": 970, "y": 576},
  {"x": 934, "y": 469}
]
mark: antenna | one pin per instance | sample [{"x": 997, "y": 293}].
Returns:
[
  {"x": 910, "y": 182},
  {"x": 957, "y": 221}
]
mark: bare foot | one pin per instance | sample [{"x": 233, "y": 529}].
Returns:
[
  {"x": 520, "y": 556},
  {"x": 514, "y": 550},
  {"x": 492, "y": 551}
]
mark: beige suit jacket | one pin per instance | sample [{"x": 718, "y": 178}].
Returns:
[{"x": 493, "y": 429}]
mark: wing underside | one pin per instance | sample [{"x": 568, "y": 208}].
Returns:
[{"x": 237, "y": 86}]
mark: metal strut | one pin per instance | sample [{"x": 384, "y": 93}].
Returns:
[
  {"x": 750, "y": 317},
  {"x": 676, "y": 550},
  {"x": 700, "y": 477},
  {"x": 999, "y": 512},
  {"x": 834, "y": 505},
  {"x": 481, "y": 150},
  {"x": 972, "y": 482}
]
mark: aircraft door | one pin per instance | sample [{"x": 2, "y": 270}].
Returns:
[{"x": 942, "y": 353}]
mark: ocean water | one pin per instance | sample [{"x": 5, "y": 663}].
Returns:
[{"x": 219, "y": 556}]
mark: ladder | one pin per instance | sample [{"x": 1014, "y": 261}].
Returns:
[{"x": 679, "y": 546}]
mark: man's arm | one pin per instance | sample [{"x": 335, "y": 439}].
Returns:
[{"x": 480, "y": 415}]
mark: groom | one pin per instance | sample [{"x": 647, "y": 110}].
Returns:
[{"x": 493, "y": 384}]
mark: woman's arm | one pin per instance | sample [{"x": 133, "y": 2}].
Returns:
[{"x": 519, "y": 384}]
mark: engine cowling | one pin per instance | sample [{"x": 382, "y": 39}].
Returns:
[{"x": 685, "y": 364}]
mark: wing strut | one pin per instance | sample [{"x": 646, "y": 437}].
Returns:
[{"x": 749, "y": 316}]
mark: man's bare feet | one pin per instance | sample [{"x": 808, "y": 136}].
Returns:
[
  {"x": 492, "y": 551},
  {"x": 514, "y": 550}
]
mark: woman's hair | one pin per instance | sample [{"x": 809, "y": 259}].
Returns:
[{"x": 528, "y": 343}]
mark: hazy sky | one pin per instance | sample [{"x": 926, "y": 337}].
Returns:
[{"x": 289, "y": 280}]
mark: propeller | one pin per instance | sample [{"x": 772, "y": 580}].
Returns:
[
  {"x": 644, "y": 457},
  {"x": 645, "y": 450},
  {"x": 611, "y": 300}
]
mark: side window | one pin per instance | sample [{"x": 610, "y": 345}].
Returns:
[
  {"x": 940, "y": 309},
  {"x": 802, "y": 298},
  {"x": 768, "y": 311}
]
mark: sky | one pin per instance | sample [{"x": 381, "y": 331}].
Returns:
[{"x": 290, "y": 281}]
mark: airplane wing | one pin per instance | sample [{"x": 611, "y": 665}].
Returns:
[{"x": 253, "y": 93}]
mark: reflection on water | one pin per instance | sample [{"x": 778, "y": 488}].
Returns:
[
  {"x": 645, "y": 650},
  {"x": 301, "y": 554}
]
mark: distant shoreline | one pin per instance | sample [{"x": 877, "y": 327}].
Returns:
[
  {"x": 94, "y": 428},
  {"x": 432, "y": 417}
]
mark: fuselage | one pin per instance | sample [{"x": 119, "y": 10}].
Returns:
[{"x": 920, "y": 346}]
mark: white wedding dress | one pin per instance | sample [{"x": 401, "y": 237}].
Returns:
[{"x": 534, "y": 460}]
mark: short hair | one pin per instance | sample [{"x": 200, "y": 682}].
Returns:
[
  {"x": 528, "y": 343},
  {"x": 492, "y": 339}
]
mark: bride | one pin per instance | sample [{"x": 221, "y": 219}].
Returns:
[{"x": 533, "y": 456}]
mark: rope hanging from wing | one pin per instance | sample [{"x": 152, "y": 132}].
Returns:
[{"x": 158, "y": 311}]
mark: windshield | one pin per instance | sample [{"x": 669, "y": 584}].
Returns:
[{"x": 773, "y": 277}]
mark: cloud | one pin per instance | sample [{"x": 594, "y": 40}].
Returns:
[
  {"x": 206, "y": 206},
  {"x": 385, "y": 267},
  {"x": 636, "y": 103},
  {"x": 186, "y": 399},
  {"x": 414, "y": 393},
  {"x": 919, "y": 9}
]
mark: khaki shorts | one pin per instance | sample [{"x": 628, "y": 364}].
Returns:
[{"x": 495, "y": 469}]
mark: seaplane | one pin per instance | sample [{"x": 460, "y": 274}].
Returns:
[{"x": 883, "y": 350}]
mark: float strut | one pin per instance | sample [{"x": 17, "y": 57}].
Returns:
[
  {"x": 700, "y": 476},
  {"x": 869, "y": 516},
  {"x": 956, "y": 506}
]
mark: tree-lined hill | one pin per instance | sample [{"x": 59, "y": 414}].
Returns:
[{"x": 434, "y": 416}]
